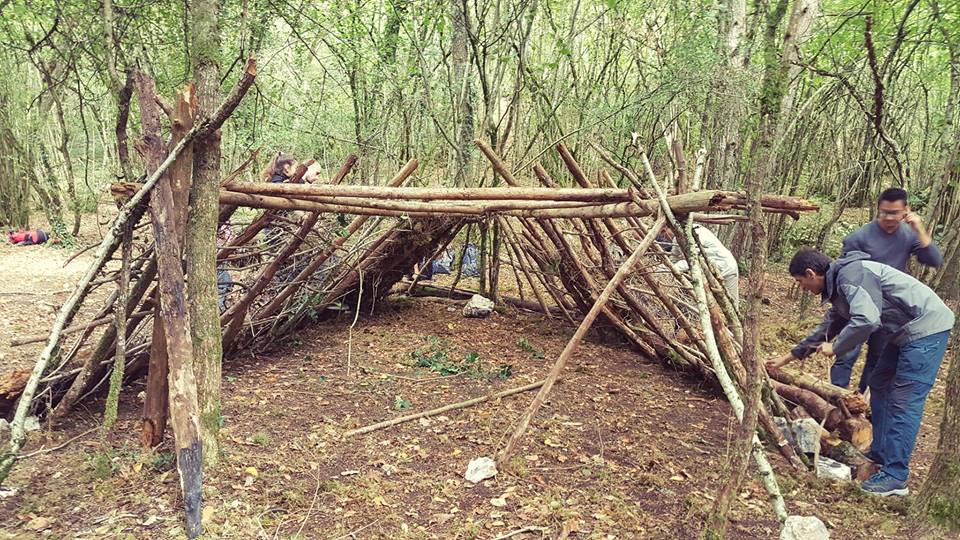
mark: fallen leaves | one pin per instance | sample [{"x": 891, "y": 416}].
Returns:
[{"x": 39, "y": 523}]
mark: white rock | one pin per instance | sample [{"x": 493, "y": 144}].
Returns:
[
  {"x": 478, "y": 307},
  {"x": 803, "y": 434},
  {"x": 4, "y": 425},
  {"x": 31, "y": 423},
  {"x": 480, "y": 469},
  {"x": 833, "y": 470},
  {"x": 804, "y": 528},
  {"x": 806, "y": 432}
]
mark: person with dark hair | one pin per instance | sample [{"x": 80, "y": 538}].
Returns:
[
  {"x": 892, "y": 238},
  {"x": 896, "y": 234},
  {"x": 872, "y": 297},
  {"x": 280, "y": 168}
]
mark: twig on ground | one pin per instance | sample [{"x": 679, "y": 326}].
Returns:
[
  {"x": 529, "y": 528},
  {"x": 354, "y": 533},
  {"x": 445, "y": 408},
  {"x": 316, "y": 493},
  {"x": 58, "y": 447}
]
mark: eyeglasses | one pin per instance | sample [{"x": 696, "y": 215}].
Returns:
[{"x": 892, "y": 213}]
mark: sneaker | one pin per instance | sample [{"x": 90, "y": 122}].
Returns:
[{"x": 884, "y": 485}]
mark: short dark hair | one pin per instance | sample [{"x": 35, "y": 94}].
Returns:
[
  {"x": 893, "y": 194},
  {"x": 809, "y": 258}
]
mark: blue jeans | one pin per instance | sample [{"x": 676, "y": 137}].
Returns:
[
  {"x": 224, "y": 284},
  {"x": 842, "y": 367},
  {"x": 899, "y": 385}
]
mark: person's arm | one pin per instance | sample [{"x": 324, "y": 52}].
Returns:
[
  {"x": 865, "y": 299},
  {"x": 782, "y": 361},
  {"x": 924, "y": 247},
  {"x": 810, "y": 343},
  {"x": 820, "y": 334}
]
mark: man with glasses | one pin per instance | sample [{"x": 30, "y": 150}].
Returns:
[{"x": 891, "y": 239}]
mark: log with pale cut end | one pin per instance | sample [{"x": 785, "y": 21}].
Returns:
[
  {"x": 814, "y": 405},
  {"x": 856, "y": 429},
  {"x": 841, "y": 397}
]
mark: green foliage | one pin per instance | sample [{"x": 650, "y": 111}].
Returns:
[
  {"x": 163, "y": 461},
  {"x": 806, "y": 232},
  {"x": 918, "y": 200},
  {"x": 437, "y": 359},
  {"x": 401, "y": 404},
  {"x": 262, "y": 439},
  {"x": 527, "y": 347}
]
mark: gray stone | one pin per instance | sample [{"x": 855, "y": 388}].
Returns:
[
  {"x": 806, "y": 431},
  {"x": 803, "y": 434},
  {"x": 4, "y": 426},
  {"x": 478, "y": 307},
  {"x": 804, "y": 528},
  {"x": 480, "y": 469},
  {"x": 832, "y": 470}
]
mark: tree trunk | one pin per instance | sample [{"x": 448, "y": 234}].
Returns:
[
  {"x": 201, "y": 249},
  {"x": 184, "y": 411},
  {"x": 939, "y": 498},
  {"x": 948, "y": 137},
  {"x": 155, "y": 406},
  {"x": 463, "y": 96},
  {"x": 14, "y": 178}
]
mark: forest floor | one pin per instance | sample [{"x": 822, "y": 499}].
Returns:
[{"x": 624, "y": 448}]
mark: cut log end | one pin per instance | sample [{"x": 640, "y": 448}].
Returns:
[
  {"x": 855, "y": 403},
  {"x": 858, "y": 431}
]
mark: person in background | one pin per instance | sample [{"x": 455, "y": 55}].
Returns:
[
  {"x": 224, "y": 279},
  {"x": 896, "y": 235},
  {"x": 874, "y": 297},
  {"x": 716, "y": 253},
  {"x": 280, "y": 168},
  {"x": 27, "y": 238}
]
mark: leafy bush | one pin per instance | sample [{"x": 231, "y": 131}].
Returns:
[{"x": 438, "y": 360}]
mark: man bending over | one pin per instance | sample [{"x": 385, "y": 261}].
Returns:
[{"x": 874, "y": 297}]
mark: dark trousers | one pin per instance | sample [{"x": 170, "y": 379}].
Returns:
[{"x": 842, "y": 367}]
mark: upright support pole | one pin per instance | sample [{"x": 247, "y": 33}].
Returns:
[
  {"x": 184, "y": 407},
  {"x": 156, "y": 404}
]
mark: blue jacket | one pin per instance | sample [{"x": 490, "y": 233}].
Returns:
[{"x": 871, "y": 297}]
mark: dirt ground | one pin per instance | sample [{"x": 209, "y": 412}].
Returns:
[
  {"x": 34, "y": 283},
  {"x": 624, "y": 448}
]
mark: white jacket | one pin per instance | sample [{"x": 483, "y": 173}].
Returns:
[{"x": 713, "y": 249}]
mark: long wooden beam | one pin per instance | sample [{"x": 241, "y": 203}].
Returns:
[
  {"x": 434, "y": 193},
  {"x": 701, "y": 201}
]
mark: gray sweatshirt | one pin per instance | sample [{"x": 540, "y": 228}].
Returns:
[
  {"x": 891, "y": 248},
  {"x": 875, "y": 297}
]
